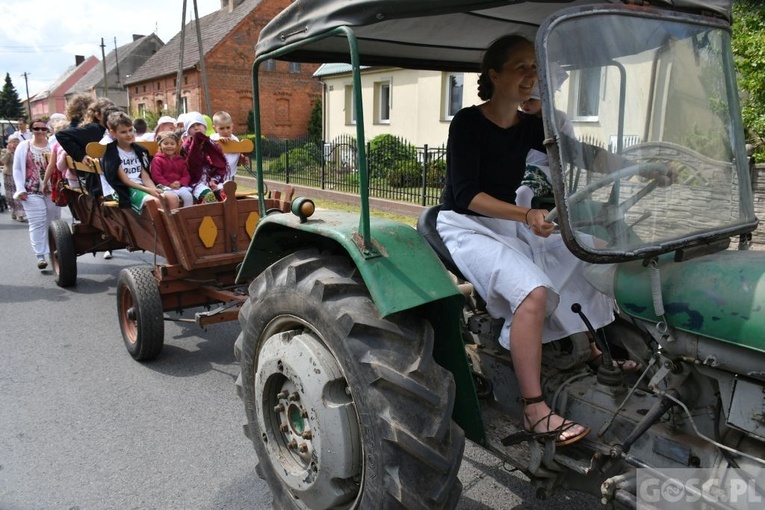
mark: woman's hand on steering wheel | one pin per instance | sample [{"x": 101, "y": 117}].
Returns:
[{"x": 535, "y": 218}]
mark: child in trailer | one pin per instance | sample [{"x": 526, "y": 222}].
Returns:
[
  {"x": 165, "y": 123},
  {"x": 205, "y": 159},
  {"x": 224, "y": 132},
  {"x": 126, "y": 167},
  {"x": 168, "y": 168}
]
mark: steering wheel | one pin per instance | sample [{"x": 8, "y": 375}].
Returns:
[{"x": 613, "y": 213}]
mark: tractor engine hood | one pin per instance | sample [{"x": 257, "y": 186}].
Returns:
[{"x": 720, "y": 296}]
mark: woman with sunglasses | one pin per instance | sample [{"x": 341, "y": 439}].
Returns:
[{"x": 28, "y": 170}]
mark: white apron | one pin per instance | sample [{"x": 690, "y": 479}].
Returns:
[{"x": 505, "y": 261}]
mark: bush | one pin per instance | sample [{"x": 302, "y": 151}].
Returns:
[
  {"x": 405, "y": 174},
  {"x": 386, "y": 152},
  {"x": 300, "y": 159},
  {"x": 436, "y": 175}
]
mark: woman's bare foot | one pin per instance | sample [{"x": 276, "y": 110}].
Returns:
[{"x": 626, "y": 365}]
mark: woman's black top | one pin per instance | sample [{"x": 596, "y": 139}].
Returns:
[{"x": 483, "y": 157}]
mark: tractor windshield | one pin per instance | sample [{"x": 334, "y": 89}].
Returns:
[{"x": 635, "y": 102}]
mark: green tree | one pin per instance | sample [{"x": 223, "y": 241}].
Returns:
[
  {"x": 250, "y": 121},
  {"x": 314, "y": 123},
  {"x": 748, "y": 45},
  {"x": 11, "y": 106}
]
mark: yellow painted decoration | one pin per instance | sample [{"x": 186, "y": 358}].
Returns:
[
  {"x": 251, "y": 223},
  {"x": 208, "y": 232}
]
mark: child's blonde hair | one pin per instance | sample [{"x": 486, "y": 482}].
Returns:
[
  {"x": 163, "y": 135},
  {"x": 221, "y": 118},
  {"x": 58, "y": 124}
]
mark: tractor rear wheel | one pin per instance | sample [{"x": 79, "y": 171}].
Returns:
[{"x": 345, "y": 409}]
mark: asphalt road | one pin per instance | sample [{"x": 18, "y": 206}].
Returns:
[{"x": 83, "y": 426}]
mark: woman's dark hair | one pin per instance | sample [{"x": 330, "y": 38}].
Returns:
[
  {"x": 38, "y": 120},
  {"x": 494, "y": 58}
]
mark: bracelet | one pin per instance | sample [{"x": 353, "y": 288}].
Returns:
[{"x": 527, "y": 216}]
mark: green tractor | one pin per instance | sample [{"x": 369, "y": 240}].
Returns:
[{"x": 366, "y": 360}]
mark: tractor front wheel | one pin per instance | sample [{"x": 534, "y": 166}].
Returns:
[{"x": 345, "y": 409}]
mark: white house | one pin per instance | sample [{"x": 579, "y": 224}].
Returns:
[{"x": 414, "y": 105}]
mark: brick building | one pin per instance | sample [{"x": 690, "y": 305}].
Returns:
[{"x": 228, "y": 35}]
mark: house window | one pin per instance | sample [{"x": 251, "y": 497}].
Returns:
[
  {"x": 184, "y": 105},
  {"x": 185, "y": 80},
  {"x": 382, "y": 102},
  {"x": 269, "y": 65},
  {"x": 295, "y": 67},
  {"x": 136, "y": 89},
  {"x": 586, "y": 94},
  {"x": 175, "y": 82},
  {"x": 142, "y": 110},
  {"x": 144, "y": 88},
  {"x": 282, "y": 112},
  {"x": 454, "y": 84},
  {"x": 158, "y": 86},
  {"x": 350, "y": 107}
]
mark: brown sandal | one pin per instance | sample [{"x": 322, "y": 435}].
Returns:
[{"x": 528, "y": 434}]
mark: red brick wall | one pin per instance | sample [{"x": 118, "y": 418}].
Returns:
[{"x": 286, "y": 98}]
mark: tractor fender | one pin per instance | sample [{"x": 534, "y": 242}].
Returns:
[{"x": 401, "y": 272}]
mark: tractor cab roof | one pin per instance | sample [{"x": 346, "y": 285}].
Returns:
[{"x": 426, "y": 34}]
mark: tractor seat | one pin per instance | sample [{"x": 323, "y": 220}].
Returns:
[{"x": 426, "y": 226}]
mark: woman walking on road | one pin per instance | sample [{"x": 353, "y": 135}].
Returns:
[{"x": 28, "y": 171}]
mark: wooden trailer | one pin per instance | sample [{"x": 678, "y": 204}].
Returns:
[{"x": 196, "y": 253}]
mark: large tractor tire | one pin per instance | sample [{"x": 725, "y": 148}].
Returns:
[
  {"x": 345, "y": 409},
  {"x": 62, "y": 254},
  {"x": 139, "y": 308}
]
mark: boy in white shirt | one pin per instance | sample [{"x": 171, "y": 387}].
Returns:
[
  {"x": 126, "y": 166},
  {"x": 224, "y": 131}
]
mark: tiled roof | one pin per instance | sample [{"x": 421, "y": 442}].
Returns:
[
  {"x": 56, "y": 84},
  {"x": 96, "y": 75},
  {"x": 214, "y": 28}
]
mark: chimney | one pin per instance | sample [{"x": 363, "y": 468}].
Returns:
[
  {"x": 78, "y": 59},
  {"x": 137, "y": 36},
  {"x": 230, "y": 5}
]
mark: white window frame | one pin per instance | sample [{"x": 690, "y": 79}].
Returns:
[
  {"x": 594, "y": 86},
  {"x": 383, "y": 101},
  {"x": 142, "y": 110},
  {"x": 448, "y": 93},
  {"x": 350, "y": 111}
]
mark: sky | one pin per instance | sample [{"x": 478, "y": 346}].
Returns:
[{"x": 41, "y": 38}]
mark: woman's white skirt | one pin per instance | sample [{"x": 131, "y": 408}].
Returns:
[{"x": 505, "y": 261}]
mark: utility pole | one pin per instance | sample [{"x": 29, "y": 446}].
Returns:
[
  {"x": 103, "y": 59},
  {"x": 208, "y": 110},
  {"x": 29, "y": 105},
  {"x": 178, "y": 84},
  {"x": 117, "y": 64}
]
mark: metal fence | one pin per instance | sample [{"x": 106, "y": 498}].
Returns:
[{"x": 397, "y": 169}]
